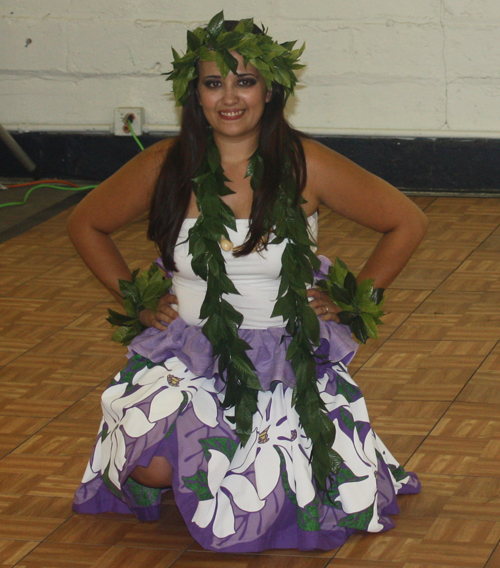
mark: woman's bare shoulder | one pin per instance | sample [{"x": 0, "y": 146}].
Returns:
[
  {"x": 317, "y": 154},
  {"x": 156, "y": 153}
]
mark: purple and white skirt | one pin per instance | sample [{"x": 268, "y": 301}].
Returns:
[{"x": 167, "y": 402}]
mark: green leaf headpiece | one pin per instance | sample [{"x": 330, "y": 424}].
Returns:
[{"x": 275, "y": 61}]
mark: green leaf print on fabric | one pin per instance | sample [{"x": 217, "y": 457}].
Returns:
[
  {"x": 358, "y": 521},
  {"x": 169, "y": 431},
  {"x": 398, "y": 472},
  {"x": 308, "y": 518},
  {"x": 284, "y": 477},
  {"x": 104, "y": 432},
  {"x": 345, "y": 475},
  {"x": 136, "y": 364},
  {"x": 198, "y": 483},
  {"x": 110, "y": 485},
  {"x": 221, "y": 444},
  {"x": 143, "y": 496},
  {"x": 350, "y": 392},
  {"x": 347, "y": 418}
]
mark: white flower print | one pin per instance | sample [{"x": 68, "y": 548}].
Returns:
[
  {"x": 359, "y": 457},
  {"x": 276, "y": 423},
  {"x": 121, "y": 418},
  {"x": 222, "y": 479},
  {"x": 122, "y": 415}
]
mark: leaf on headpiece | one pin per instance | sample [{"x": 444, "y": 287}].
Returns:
[
  {"x": 262, "y": 66},
  {"x": 216, "y": 24},
  {"x": 229, "y": 40},
  {"x": 296, "y": 53},
  {"x": 289, "y": 45},
  {"x": 230, "y": 61},
  {"x": 175, "y": 54},
  {"x": 221, "y": 63},
  {"x": 250, "y": 49},
  {"x": 207, "y": 54},
  {"x": 245, "y": 26},
  {"x": 282, "y": 77},
  {"x": 193, "y": 41}
]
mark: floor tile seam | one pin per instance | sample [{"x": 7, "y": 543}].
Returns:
[
  {"x": 94, "y": 546},
  {"x": 265, "y": 553},
  {"x": 53, "y": 418},
  {"x": 408, "y": 315},
  {"x": 171, "y": 565},
  {"x": 497, "y": 547},
  {"x": 465, "y": 259},
  {"x": 75, "y": 254},
  {"x": 477, "y": 369},
  {"x": 24, "y": 441},
  {"x": 26, "y": 555},
  {"x": 424, "y": 439},
  {"x": 450, "y": 404},
  {"x": 51, "y": 335},
  {"x": 118, "y": 545},
  {"x": 435, "y": 197}
]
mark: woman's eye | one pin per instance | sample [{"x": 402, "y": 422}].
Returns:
[
  {"x": 247, "y": 82},
  {"x": 212, "y": 84}
]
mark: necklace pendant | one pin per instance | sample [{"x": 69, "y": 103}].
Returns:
[{"x": 226, "y": 245}]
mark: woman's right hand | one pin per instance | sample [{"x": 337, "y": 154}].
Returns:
[{"x": 164, "y": 315}]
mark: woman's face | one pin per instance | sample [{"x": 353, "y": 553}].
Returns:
[{"x": 233, "y": 105}]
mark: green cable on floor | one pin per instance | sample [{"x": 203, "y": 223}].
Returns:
[
  {"x": 51, "y": 186},
  {"x": 42, "y": 185}
]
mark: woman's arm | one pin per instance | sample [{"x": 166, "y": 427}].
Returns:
[
  {"x": 115, "y": 202},
  {"x": 356, "y": 194}
]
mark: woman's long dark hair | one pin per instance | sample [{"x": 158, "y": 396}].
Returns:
[{"x": 278, "y": 141}]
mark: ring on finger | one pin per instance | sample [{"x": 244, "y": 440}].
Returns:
[{"x": 326, "y": 308}]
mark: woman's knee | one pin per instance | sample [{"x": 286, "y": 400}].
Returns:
[{"x": 157, "y": 474}]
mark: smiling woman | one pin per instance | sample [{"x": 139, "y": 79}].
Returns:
[
  {"x": 237, "y": 392},
  {"x": 233, "y": 105}
]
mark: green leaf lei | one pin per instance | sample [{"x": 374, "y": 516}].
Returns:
[
  {"x": 144, "y": 291},
  {"x": 222, "y": 321},
  {"x": 276, "y": 62},
  {"x": 361, "y": 304}
]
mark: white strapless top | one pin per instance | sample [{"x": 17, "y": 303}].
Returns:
[{"x": 256, "y": 277}]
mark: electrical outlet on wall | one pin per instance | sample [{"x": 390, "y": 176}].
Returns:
[{"x": 125, "y": 114}]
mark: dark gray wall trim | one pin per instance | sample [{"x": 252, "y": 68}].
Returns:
[{"x": 427, "y": 164}]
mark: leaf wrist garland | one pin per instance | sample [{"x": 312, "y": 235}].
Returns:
[
  {"x": 361, "y": 303},
  {"x": 144, "y": 291}
]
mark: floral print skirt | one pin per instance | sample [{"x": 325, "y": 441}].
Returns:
[{"x": 239, "y": 498}]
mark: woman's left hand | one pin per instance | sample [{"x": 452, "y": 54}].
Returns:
[{"x": 323, "y": 305}]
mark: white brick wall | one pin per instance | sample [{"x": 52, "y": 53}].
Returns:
[{"x": 402, "y": 67}]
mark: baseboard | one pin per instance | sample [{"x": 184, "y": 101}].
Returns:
[{"x": 436, "y": 165}]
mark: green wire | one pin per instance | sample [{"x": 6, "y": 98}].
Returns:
[
  {"x": 134, "y": 135},
  {"x": 31, "y": 190},
  {"x": 39, "y": 186}
]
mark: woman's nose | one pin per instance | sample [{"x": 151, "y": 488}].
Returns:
[{"x": 230, "y": 94}]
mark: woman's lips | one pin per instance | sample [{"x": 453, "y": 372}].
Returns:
[{"x": 231, "y": 114}]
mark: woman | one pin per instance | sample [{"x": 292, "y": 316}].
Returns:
[{"x": 239, "y": 401}]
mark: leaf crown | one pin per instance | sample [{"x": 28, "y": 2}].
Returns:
[{"x": 276, "y": 62}]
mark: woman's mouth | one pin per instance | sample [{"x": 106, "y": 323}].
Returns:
[{"x": 231, "y": 114}]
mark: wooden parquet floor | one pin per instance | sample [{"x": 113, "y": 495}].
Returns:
[{"x": 432, "y": 382}]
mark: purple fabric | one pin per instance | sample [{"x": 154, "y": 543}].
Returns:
[{"x": 267, "y": 354}]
